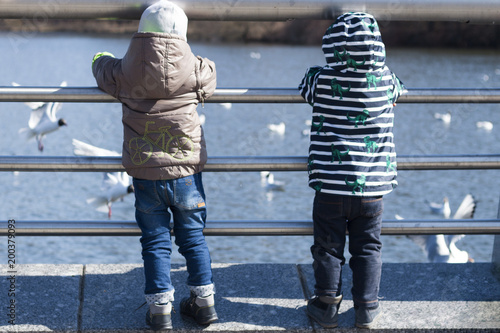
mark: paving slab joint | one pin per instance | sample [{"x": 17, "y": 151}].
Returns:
[
  {"x": 81, "y": 299},
  {"x": 303, "y": 282}
]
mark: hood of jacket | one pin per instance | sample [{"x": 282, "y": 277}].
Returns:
[
  {"x": 164, "y": 16},
  {"x": 157, "y": 64},
  {"x": 354, "y": 42}
]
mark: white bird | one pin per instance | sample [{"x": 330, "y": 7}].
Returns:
[
  {"x": 203, "y": 118},
  {"x": 115, "y": 186},
  {"x": 486, "y": 125},
  {"x": 84, "y": 149},
  {"x": 255, "y": 55},
  {"x": 277, "y": 128},
  {"x": 226, "y": 106},
  {"x": 308, "y": 123},
  {"x": 440, "y": 208},
  {"x": 43, "y": 120},
  {"x": 442, "y": 248},
  {"x": 32, "y": 105},
  {"x": 268, "y": 182},
  {"x": 445, "y": 117}
]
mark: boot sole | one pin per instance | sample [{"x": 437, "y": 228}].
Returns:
[
  {"x": 207, "y": 320},
  {"x": 158, "y": 327},
  {"x": 370, "y": 324},
  {"x": 322, "y": 324}
]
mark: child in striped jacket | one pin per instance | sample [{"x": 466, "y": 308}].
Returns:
[{"x": 352, "y": 163}]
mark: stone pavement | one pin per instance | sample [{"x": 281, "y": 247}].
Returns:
[{"x": 250, "y": 297}]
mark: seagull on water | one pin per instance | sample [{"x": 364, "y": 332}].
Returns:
[
  {"x": 43, "y": 120},
  {"x": 115, "y": 186},
  {"x": 268, "y": 182},
  {"x": 485, "y": 125},
  {"x": 203, "y": 118},
  {"x": 255, "y": 55},
  {"x": 277, "y": 128},
  {"x": 226, "y": 106},
  {"x": 445, "y": 117},
  {"x": 442, "y": 248}
]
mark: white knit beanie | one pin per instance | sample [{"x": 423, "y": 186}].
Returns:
[{"x": 164, "y": 16}]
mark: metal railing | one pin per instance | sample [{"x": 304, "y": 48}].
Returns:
[
  {"x": 37, "y": 12},
  {"x": 242, "y": 95},
  {"x": 481, "y": 11},
  {"x": 246, "y": 163},
  {"x": 239, "y": 163},
  {"x": 249, "y": 227}
]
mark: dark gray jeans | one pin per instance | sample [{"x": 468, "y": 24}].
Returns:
[{"x": 361, "y": 217}]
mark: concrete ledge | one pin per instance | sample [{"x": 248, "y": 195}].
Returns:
[
  {"x": 250, "y": 297},
  {"x": 433, "y": 297},
  {"x": 47, "y": 297}
]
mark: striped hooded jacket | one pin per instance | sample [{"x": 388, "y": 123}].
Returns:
[{"x": 352, "y": 148}]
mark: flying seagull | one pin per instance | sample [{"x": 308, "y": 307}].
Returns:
[
  {"x": 43, "y": 120},
  {"x": 115, "y": 186},
  {"x": 442, "y": 248},
  {"x": 440, "y": 208}
]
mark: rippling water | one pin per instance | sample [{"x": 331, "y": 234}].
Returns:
[{"x": 41, "y": 60}]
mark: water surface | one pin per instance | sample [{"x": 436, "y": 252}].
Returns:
[{"x": 48, "y": 59}]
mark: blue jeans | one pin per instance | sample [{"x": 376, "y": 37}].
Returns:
[
  {"x": 185, "y": 198},
  {"x": 361, "y": 217}
]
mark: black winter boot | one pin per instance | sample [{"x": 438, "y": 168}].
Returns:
[
  {"x": 200, "y": 308},
  {"x": 158, "y": 316},
  {"x": 324, "y": 310}
]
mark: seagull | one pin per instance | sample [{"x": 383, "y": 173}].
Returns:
[
  {"x": 442, "y": 248},
  {"x": 84, "y": 149},
  {"x": 441, "y": 209},
  {"x": 43, "y": 120},
  {"x": 31, "y": 105},
  {"x": 203, "y": 118},
  {"x": 226, "y": 106},
  {"x": 267, "y": 180},
  {"x": 115, "y": 186},
  {"x": 277, "y": 128},
  {"x": 308, "y": 123},
  {"x": 255, "y": 55},
  {"x": 445, "y": 117},
  {"x": 486, "y": 125}
]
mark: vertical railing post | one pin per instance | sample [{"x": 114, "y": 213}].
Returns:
[{"x": 495, "y": 258}]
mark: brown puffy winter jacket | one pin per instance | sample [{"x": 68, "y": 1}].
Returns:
[{"x": 159, "y": 82}]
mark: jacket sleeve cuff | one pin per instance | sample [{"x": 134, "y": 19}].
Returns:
[{"x": 100, "y": 54}]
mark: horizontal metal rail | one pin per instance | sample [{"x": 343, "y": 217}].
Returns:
[
  {"x": 249, "y": 228},
  {"x": 483, "y": 11},
  {"x": 238, "y": 164},
  {"x": 243, "y": 95}
]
